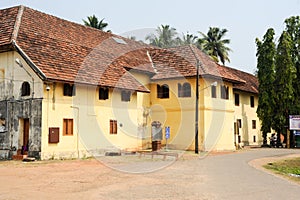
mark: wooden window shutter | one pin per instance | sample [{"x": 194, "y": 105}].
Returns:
[
  {"x": 111, "y": 126},
  {"x": 68, "y": 127},
  {"x": 65, "y": 127},
  {"x": 115, "y": 127}
]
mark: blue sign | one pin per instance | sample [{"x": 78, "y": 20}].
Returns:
[{"x": 167, "y": 132}]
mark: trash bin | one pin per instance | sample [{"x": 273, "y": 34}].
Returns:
[{"x": 156, "y": 145}]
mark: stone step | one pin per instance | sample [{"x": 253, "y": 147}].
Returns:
[
  {"x": 19, "y": 157},
  {"x": 28, "y": 159}
]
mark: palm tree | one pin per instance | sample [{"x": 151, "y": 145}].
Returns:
[
  {"x": 93, "y": 21},
  {"x": 165, "y": 37},
  {"x": 187, "y": 39},
  {"x": 214, "y": 44}
]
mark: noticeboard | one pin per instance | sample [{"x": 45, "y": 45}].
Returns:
[{"x": 294, "y": 122}]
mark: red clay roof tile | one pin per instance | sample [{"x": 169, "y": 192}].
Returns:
[
  {"x": 181, "y": 62},
  {"x": 250, "y": 83},
  {"x": 66, "y": 51},
  {"x": 7, "y": 22}
]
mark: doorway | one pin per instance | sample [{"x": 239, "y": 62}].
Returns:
[{"x": 24, "y": 135}]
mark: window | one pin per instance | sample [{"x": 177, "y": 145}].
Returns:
[
  {"x": 103, "y": 93},
  {"x": 68, "y": 127},
  {"x": 184, "y": 90},
  {"x": 252, "y": 101},
  {"x": 163, "y": 91},
  {"x": 236, "y": 99},
  {"x": 236, "y": 128},
  {"x": 69, "y": 90},
  {"x": 253, "y": 124},
  {"x": 113, "y": 127},
  {"x": 25, "y": 90},
  {"x": 224, "y": 92},
  {"x": 125, "y": 95},
  {"x": 239, "y": 123},
  {"x": 213, "y": 91},
  {"x": 254, "y": 138}
]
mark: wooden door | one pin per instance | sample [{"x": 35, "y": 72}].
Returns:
[{"x": 26, "y": 134}]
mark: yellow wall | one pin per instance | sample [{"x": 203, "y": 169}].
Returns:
[
  {"x": 143, "y": 110},
  {"x": 218, "y": 115},
  {"x": 91, "y": 121},
  {"x": 215, "y": 133},
  {"x": 177, "y": 113},
  {"x": 247, "y": 113}
]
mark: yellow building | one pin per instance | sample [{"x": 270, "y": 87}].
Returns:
[
  {"x": 69, "y": 91},
  {"x": 245, "y": 97}
]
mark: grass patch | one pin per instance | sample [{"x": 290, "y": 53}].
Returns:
[{"x": 286, "y": 167}]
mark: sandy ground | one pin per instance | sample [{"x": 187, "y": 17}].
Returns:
[
  {"x": 109, "y": 178},
  {"x": 92, "y": 179}
]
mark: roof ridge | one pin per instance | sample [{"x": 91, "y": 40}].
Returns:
[
  {"x": 151, "y": 61},
  {"x": 193, "y": 48},
  {"x": 231, "y": 68},
  {"x": 15, "y": 32}
]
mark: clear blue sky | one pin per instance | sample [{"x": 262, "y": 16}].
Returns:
[{"x": 245, "y": 20}]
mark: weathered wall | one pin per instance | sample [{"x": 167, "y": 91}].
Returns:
[
  {"x": 4, "y": 133},
  {"x": 13, "y": 111},
  {"x": 15, "y": 107}
]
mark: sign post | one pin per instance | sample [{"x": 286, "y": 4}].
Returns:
[
  {"x": 167, "y": 130},
  {"x": 294, "y": 124}
]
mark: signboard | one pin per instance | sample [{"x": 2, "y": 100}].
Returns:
[
  {"x": 167, "y": 132},
  {"x": 156, "y": 131},
  {"x": 294, "y": 121}
]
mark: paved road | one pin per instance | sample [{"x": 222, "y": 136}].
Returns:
[
  {"x": 214, "y": 177},
  {"x": 231, "y": 177}
]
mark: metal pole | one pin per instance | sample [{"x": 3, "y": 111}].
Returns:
[{"x": 196, "y": 110}]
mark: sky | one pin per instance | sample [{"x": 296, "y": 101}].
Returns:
[{"x": 245, "y": 20}]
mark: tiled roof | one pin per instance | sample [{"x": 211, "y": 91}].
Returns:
[
  {"x": 250, "y": 81},
  {"x": 181, "y": 62},
  {"x": 69, "y": 52},
  {"x": 7, "y": 22},
  {"x": 170, "y": 65},
  {"x": 66, "y": 51}
]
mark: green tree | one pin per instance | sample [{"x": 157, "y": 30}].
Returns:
[
  {"x": 266, "y": 51},
  {"x": 285, "y": 76},
  {"x": 214, "y": 44},
  {"x": 92, "y": 21},
  {"x": 165, "y": 37},
  {"x": 187, "y": 39},
  {"x": 293, "y": 29}
]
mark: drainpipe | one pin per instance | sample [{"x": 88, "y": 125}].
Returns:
[{"x": 77, "y": 138}]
